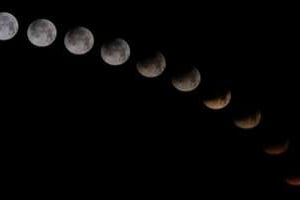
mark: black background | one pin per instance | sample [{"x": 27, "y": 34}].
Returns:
[{"x": 83, "y": 124}]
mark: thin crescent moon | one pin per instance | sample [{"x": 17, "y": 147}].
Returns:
[
  {"x": 293, "y": 181},
  {"x": 278, "y": 149}
]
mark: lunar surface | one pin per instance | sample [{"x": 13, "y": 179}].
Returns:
[
  {"x": 278, "y": 149},
  {"x": 41, "y": 33},
  {"x": 79, "y": 41},
  {"x": 293, "y": 181},
  {"x": 116, "y": 52},
  {"x": 187, "y": 81},
  {"x": 249, "y": 122},
  {"x": 218, "y": 103},
  {"x": 153, "y": 66},
  {"x": 8, "y": 26}
]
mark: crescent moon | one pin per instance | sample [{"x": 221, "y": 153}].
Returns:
[
  {"x": 278, "y": 149},
  {"x": 218, "y": 103},
  {"x": 249, "y": 122},
  {"x": 293, "y": 181},
  {"x": 188, "y": 81}
]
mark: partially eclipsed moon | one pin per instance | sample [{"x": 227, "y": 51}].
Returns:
[
  {"x": 41, "y": 33},
  {"x": 218, "y": 102},
  {"x": 278, "y": 149},
  {"x": 188, "y": 81},
  {"x": 79, "y": 41},
  {"x": 249, "y": 122},
  {"x": 9, "y": 26},
  {"x": 152, "y": 67},
  {"x": 116, "y": 52},
  {"x": 293, "y": 181}
]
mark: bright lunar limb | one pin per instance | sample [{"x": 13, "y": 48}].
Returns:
[
  {"x": 187, "y": 81},
  {"x": 277, "y": 149},
  {"x": 249, "y": 122},
  {"x": 79, "y": 41},
  {"x": 41, "y": 33},
  {"x": 9, "y": 26},
  {"x": 219, "y": 102},
  {"x": 115, "y": 52},
  {"x": 153, "y": 66}
]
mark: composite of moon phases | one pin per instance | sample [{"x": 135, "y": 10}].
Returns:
[
  {"x": 9, "y": 26},
  {"x": 277, "y": 149},
  {"x": 187, "y": 81},
  {"x": 218, "y": 103},
  {"x": 79, "y": 41},
  {"x": 249, "y": 122},
  {"x": 153, "y": 66},
  {"x": 115, "y": 52},
  {"x": 293, "y": 181},
  {"x": 41, "y": 33}
]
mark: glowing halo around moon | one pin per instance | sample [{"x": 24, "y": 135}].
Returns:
[
  {"x": 249, "y": 122},
  {"x": 9, "y": 26},
  {"x": 218, "y": 103}
]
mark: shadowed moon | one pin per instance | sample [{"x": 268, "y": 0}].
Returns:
[
  {"x": 277, "y": 149},
  {"x": 153, "y": 66},
  {"x": 41, "y": 33},
  {"x": 218, "y": 103},
  {"x": 115, "y": 52},
  {"x": 249, "y": 122},
  {"x": 9, "y": 26},
  {"x": 79, "y": 41},
  {"x": 293, "y": 181},
  {"x": 187, "y": 81}
]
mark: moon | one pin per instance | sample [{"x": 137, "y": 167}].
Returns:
[
  {"x": 249, "y": 122},
  {"x": 115, "y": 52},
  {"x": 79, "y": 41},
  {"x": 187, "y": 81},
  {"x": 41, "y": 33},
  {"x": 153, "y": 66},
  {"x": 9, "y": 26},
  {"x": 278, "y": 149},
  {"x": 293, "y": 181},
  {"x": 218, "y": 103}
]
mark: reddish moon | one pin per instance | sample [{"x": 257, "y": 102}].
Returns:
[
  {"x": 277, "y": 149},
  {"x": 218, "y": 103},
  {"x": 293, "y": 181},
  {"x": 249, "y": 122}
]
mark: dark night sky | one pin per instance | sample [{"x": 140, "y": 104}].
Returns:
[{"x": 84, "y": 121}]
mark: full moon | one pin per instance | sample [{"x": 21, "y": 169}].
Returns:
[
  {"x": 218, "y": 103},
  {"x": 41, "y": 33},
  {"x": 293, "y": 181},
  {"x": 79, "y": 41},
  {"x": 278, "y": 149},
  {"x": 187, "y": 81},
  {"x": 249, "y": 122},
  {"x": 9, "y": 26},
  {"x": 116, "y": 52},
  {"x": 152, "y": 67}
]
